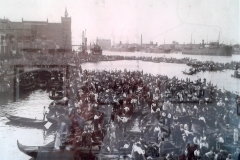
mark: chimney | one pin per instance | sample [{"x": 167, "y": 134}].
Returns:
[{"x": 141, "y": 39}]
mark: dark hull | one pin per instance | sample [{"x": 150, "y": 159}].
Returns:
[
  {"x": 159, "y": 51},
  {"x": 122, "y": 49},
  {"x": 42, "y": 84},
  {"x": 27, "y": 87},
  {"x": 56, "y": 98},
  {"x": 26, "y": 121},
  {"x": 235, "y": 76},
  {"x": 188, "y": 73},
  {"x": 218, "y": 51},
  {"x": 45, "y": 152},
  {"x": 52, "y": 119}
]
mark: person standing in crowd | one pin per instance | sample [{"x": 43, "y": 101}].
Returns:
[
  {"x": 197, "y": 154},
  {"x": 236, "y": 155},
  {"x": 44, "y": 113}
]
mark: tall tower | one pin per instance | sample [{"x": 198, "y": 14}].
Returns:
[{"x": 66, "y": 32}]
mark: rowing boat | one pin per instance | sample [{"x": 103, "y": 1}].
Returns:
[
  {"x": 52, "y": 119},
  {"x": 27, "y": 121},
  {"x": 46, "y": 152}
]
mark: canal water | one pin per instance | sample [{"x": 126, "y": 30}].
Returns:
[
  {"x": 178, "y": 55},
  {"x": 31, "y": 104}
]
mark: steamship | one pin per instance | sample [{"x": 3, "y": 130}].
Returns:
[{"x": 212, "y": 49}]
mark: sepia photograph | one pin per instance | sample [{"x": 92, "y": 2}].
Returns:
[{"x": 120, "y": 79}]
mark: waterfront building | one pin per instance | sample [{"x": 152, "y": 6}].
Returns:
[
  {"x": 35, "y": 35},
  {"x": 104, "y": 43}
]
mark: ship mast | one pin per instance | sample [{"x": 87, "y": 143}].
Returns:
[
  {"x": 191, "y": 38},
  {"x": 219, "y": 38}
]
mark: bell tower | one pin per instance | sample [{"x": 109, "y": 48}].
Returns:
[
  {"x": 66, "y": 31},
  {"x": 66, "y": 13}
]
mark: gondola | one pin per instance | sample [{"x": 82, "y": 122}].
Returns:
[
  {"x": 27, "y": 121},
  {"x": 11, "y": 123},
  {"x": 42, "y": 85},
  {"x": 29, "y": 86},
  {"x": 53, "y": 120},
  {"x": 189, "y": 73},
  {"x": 55, "y": 98},
  {"x": 31, "y": 151},
  {"x": 59, "y": 96},
  {"x": 45, "y": 152},
  {"x": 236, "y": 75},
  {"x": 27, "y": 81}
]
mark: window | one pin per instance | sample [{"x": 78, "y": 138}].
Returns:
[{"x": 2, "y": 49}]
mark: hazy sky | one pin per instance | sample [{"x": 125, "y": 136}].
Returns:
[{"x": 126, "y": 20}]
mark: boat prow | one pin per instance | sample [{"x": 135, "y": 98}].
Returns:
[
  {"x": 52, "y": 119},
  {"x": 45, "y": 152},
  {"x": 31, "y": 151}
]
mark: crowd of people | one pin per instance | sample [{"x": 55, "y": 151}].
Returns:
[
  {"x": 144, "y": 116},
  {"x": 106, "y": 106},
  {"x": 63, "y": 58}
]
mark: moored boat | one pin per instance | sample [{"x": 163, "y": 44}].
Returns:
[
  {"x": 123, "y": 48},
  {"x": 159, "y": 50},
  {"x": 53, "y": 120},
  {"x": 189, "y": 72},
  {"x": 213, "y": 49},
  {"x": 27, "y": 121},
  {"x": 54, "y": 97},
  {"x": 46, "y": 152},
  {"x": 236, "y": 74},
  {"x": 96, "y": 50}
]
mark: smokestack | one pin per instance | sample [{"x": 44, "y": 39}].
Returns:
[
  {"x": 141, "y": 39},
  {"x": 83, "y": 38},
  {"x": 203, "y": 41}
]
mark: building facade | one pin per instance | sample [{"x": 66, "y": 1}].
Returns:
[
  {"x": 35, "y": 35},
  {"x": 104, "y": 43}
]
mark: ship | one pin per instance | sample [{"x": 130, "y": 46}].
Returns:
[
  {"x": 123, "y": 48},
  {"x": 212, "y": 49},
  {"x": 96, "y": 50},
  {"x": 236, "y": 49},
  {"x": 157, "y": 50}
]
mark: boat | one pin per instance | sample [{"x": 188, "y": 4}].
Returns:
[
  {"x": 158, "y": 50},
  {"x": 27, "y": 80},
  {"x": 27, "y": 121},
  {"x": 96, "y": 50},
  {"x": 53, "y": 120},
  {"x": 43, "y": 77},
  {"x": 123, "y": 48},
  {"x": 236, "y": 74},
  {"x": 27, "y": 86},
  {"x": 190, "y": 72},
  {"x": 46, "y": 152},
  {"x": 213, "y": 49},
  {"x": 55, "y": 97},
  {"x": 59, "y": 96}
]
